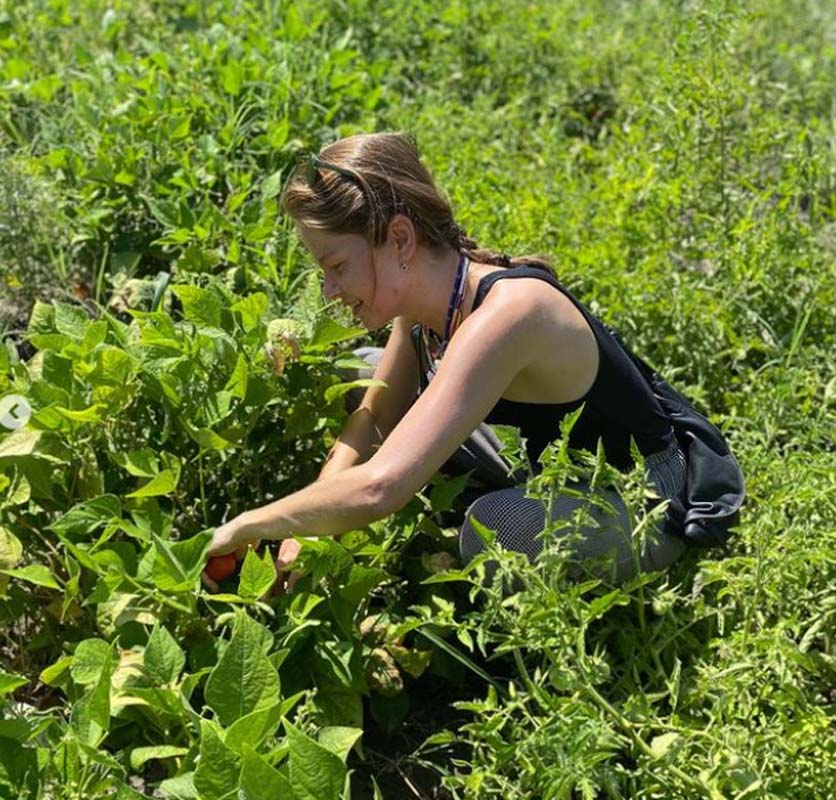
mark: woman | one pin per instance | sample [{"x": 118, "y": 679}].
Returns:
[{"x": 468, "y": 347}]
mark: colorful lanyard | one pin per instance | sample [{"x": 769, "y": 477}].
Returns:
[{"x": 434, "y": 345}]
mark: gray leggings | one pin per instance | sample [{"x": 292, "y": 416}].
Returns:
[{"x": 601, "y": 545}]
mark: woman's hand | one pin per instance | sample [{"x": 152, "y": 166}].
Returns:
[
  {"x": 228, "y": 538},
  {"x": 285, "y": 580}
]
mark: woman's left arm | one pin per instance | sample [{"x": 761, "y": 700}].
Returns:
[{"x": 484, "y": 356}]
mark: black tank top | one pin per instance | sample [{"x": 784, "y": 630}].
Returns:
[{"x": 618, "y": 405}]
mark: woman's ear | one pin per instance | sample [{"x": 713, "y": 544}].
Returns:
[{"x": 402, "y": 232}]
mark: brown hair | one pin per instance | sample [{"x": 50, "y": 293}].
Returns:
[{"x": 382, "y": 175}]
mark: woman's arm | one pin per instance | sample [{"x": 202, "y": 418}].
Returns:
[
  {"x": 356, "y": 444},
  {"x": 346, "y": 495},
  {"x": 488, "y": 351},
  {"x": 382, "y": 407}
]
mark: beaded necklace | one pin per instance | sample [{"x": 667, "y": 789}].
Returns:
[{"x": 434, "y": 345}]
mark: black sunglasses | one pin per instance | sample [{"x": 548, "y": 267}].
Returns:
[{"x": 314, "y": 163}]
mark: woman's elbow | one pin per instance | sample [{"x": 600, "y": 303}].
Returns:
[{"x": 388, "y": 493}]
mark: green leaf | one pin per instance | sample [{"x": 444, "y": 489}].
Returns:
[
  {"x": 180, "y": 787},
  {"x": 328, "y": 332},
  {"x": 339, "y": 739},
  {"x": 458, "y": 656},
  {"x": 200, "y": 305},
  {"x": 446, "y": 491},
  {"x": 70, "y": 320},
  {"x": 22, "y": 442},
  {"x": 9, "y": 682},
  {"x": 244, "y": 679},
  {"x": 218, "y": 767},
  {"x": 257, "y": 575},
  {"x": 90, "y": 659},
  {"x": 94, "y": 413},
  {"x": 140, "y": 755},
  {"x": 19, "y": 771},
  {"x": 600, "y": 605},
  {"x": 91, "y": 714},
  {"x": 315, "y": 772},
  {"x": 254, "y": 728},
  {"x": 164, "y": 658},
  {"x": 237, "y": 383},
  {"x": 339, "y": 389},
  {"x": 485, "y": 534},
  {"x": 11, "y": 550},
  {"x": 232, "y": 77},
  {"x": 177, "y": 566},
  {"x": 123, "y": 607},
  {"x": 661, "y": 745},
  {"x": 252, "y": 308},
  {"x": 260, "y": 781},
  {"x": 272, "y": 185},
  {"x": 83, "y": 518},
  {"x": 141, "y": 463},
  {"x": 55, "y": 673},
  {"x": 163, "y": 483},
  {"x": 36, "y": 573}
]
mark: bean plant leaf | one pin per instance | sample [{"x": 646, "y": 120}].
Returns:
[
  {"x": 339, "y": 389},
  {"x": 244, "y": 679},
  {"x": 180, "y": 787},
  {"x": 260, "y": 781},
  {"x": 200, "y": 305},
  {"x": 315, "y": 772},
  {"x": 237, "y": 383},
  {"x": 91, "y": 714},
  {"x": 35, "y": 573},
  {"x": 328, "y": 332},
  {"x": 164, "y": 659},
  {"x": 218, "y": 767},
  {"x": 254, "y": 727},
  {"x": 162, "y": 483},
  {"x": 178, "y": 565},
  {"x": 91, "y": 658},
  {"x": 257, "y": 575},
  {"x": 9, "y": 682},
  {"x": 141, "y": 755},
  {"x": 142, "y": 463},
  {"x": 339, "y": 739},
  {"x": 252, "y": 308},
  {"x": 85, "y": 517},
  {"x": 11, "y": 550}
]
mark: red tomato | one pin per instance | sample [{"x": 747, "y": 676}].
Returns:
[{"x": 221, "y": 567}]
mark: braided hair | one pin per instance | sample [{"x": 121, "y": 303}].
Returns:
[{"x": 379, "y": 175}]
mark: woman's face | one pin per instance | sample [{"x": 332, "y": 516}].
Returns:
[{"x": 372, "y": 292}]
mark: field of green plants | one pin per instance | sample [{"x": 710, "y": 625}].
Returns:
[{"x": 676, "y": 158}]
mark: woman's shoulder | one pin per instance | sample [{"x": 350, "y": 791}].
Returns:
[
  {"x": 540, "y": 298},
  {"x": 562, "y": 348}
]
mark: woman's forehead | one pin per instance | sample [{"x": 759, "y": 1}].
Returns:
[{"x": 324, "y": 246}]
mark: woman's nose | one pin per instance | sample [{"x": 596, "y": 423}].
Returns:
[{"x": 329, "y": 289}]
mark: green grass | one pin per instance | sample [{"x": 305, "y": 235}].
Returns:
[{"x": 678, "y": 162}]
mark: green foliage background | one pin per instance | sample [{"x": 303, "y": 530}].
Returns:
[{"x": 678, "y": 162}]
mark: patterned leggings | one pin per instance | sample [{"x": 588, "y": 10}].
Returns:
[{"x": 599, "y": 546}]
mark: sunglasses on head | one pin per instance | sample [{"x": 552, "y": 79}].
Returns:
[{"x": 314, "y": 163}]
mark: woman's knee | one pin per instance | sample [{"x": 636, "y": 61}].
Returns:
[{"x": 515, "y": 519}]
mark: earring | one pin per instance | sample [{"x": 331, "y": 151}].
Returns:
[{"x": 403, "y": 267}]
